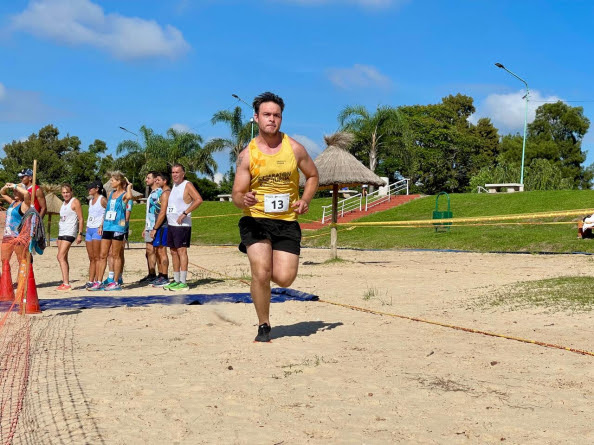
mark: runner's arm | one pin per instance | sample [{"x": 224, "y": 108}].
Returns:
[
  {"x": 4, "y": 195},
  {"x": 20, "y": 188},
  {"x": 40, "y": 196},
  {"x": 196, "y": 198},
  {"x": 78, "y": 210},
  {"x": 309, "y": 169},
  {"x": 128, "y": 195},
  {"x": 241, "y": 195}
]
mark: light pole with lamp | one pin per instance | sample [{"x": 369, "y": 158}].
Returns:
[
  {"x": 252, "y": 118},
  {"x": 499, "y": 65}
]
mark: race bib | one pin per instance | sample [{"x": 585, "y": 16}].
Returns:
[
  {"x": 276, "y": 203},
  {"x": 110, "y": 216},
  {"x": 171, "y": 209}
]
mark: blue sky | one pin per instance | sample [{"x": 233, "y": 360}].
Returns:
[{"x": 91, "y": 66}]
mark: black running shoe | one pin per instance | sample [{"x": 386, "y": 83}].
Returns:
[
  {"x": 147, "y": 279},
  {"x": 263, "y": 333}
]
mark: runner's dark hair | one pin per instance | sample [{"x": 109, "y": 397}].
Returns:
[{"x": 268, "y": 97}]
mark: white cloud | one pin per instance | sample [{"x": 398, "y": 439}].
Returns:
[
  {"x": 218, "y": 177},
  {"x": 364, "y": 3},
  {"x": 507, "y": 110},
  {"x": 312, "y": 148},
  {"x": 181, "y": 128},
  {"x": 82, "y": 22},
  {"x": 25, "y": 107},
  {"x": 359, "y": 76}
]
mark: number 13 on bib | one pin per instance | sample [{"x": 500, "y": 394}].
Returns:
[{"x": 276, "y": 203}]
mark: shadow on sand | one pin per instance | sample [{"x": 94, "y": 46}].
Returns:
[{"x": 302, "y": 329}]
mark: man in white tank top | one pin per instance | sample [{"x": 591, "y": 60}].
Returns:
[{"x": 184, "y": 198}]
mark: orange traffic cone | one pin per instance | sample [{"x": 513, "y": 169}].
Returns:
[
  {"x": 32, "y": 302},
  {"x": 6, "y": 290},
  {"x": 29, "y": 303}
]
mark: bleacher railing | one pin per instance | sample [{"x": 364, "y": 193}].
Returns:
[{"x": 360, "y": 202}]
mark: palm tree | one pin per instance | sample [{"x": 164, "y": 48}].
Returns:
[
  {"x": 240, "y": 133},
  {"x": 159, "y": 152},
  {"x": 374, "y": 133},
  {"x": 135, "y": 162},
  {"x": 186, "y": 148}
]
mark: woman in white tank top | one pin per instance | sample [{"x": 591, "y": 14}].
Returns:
[
  {"x": 97, "y": 205},
  {"x": 70, "y": 229}
]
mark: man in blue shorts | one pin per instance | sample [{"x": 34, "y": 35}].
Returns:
[
  {"x": 152, "y": 209},
  {"x": 159, "y": 231}
]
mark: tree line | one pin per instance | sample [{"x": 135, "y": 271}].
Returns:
[
  {"x": 439, "y": 149},
  {"x": 435, "y": 145}
]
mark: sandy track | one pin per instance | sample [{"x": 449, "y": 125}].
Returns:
[{"x": 191, "y": 374}]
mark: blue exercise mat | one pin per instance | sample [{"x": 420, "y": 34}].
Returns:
[{"x": 279, "y": 295}]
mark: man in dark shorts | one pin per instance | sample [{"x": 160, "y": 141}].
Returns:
[
  {"x": 266, "y": 187},
  {"x": 159, "y": 232},
  {"x": 183, "y": 199}
]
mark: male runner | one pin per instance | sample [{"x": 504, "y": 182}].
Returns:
[
  {"x": 26, "y": 177},
  {"x": 266, "y": 187},
  {"x": 182, "y": 200},
  {"x": 159, "y": 232},
  {"x": 152, "y": 209}
]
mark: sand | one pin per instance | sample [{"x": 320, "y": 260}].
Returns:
[{"x": 181, "y": 374}]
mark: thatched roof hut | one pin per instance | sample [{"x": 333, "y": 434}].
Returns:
[
  {"x": 337, "y": 167},
  {"x": 53, "y": 204},
  {"x": 52, "y": 201}
]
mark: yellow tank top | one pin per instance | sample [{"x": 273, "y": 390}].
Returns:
[{"x": 275, "y": 179}]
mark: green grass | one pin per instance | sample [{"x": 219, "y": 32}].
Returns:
[
  {"x": 210, "y": 228},
  {"x": 500, "y": 238},
  {"x": 566, "y": 293}
]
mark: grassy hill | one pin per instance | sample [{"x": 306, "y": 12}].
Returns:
[
  {"x": 217, "y": 224},
  {"x": 530, "y": 237}
]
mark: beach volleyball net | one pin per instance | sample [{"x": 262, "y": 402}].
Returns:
[{"x": 15, "y": 326}]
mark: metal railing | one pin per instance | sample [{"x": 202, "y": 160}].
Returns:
[{"x": 360, "y": 202}]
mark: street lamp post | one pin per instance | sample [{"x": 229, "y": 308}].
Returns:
[
  {"x": 499, "y": 65},
  {"x": 128, "y": 131},
  {"x": 252, "y": 118}
]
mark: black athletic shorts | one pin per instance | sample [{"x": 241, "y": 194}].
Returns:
[
  {"x": 116, "y": 236},
  {"x": 179, "y": 236},
  {"x": 68, "y": 238},
  {"x": 283, "y": 235}
]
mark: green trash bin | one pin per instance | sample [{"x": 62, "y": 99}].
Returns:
[{"x": 442, "y": 214}]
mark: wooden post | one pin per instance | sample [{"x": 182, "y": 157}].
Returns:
[{"x": 333, "y": 232}]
